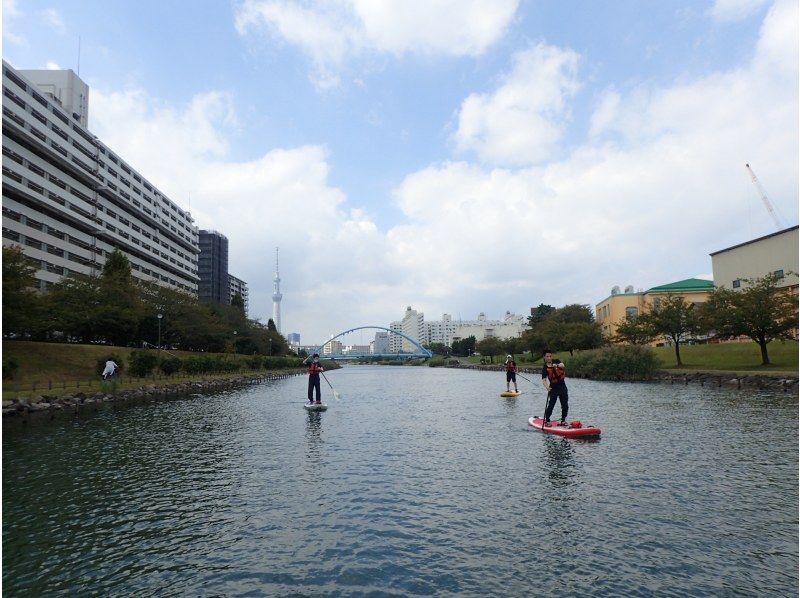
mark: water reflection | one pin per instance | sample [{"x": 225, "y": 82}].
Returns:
[
  {"x": 560, "y": 461},
  {"x": 314, "y": 433}
]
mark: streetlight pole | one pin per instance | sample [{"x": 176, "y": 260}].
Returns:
[{"x": 159, "y": 316}]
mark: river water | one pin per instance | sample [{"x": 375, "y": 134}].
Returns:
[{"x": 419, "y": 481}]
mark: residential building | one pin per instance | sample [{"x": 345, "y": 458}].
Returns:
[
  {"x": 380, "y": 344},
  {"x": 332, "y": 348},
  {"x": 238, "y": 286},
  {"x": 618, "y": 305},
  {"x": 413, "y": 326},
  {"x": 69, "y": 200},
  {"x": 772, "y": 254},
  {"x": 442, "y": 331},
  {"x": 361, "y": 349},
  {"x": 511, "y": 326},
  {"x": 395, "y": 340},
  {"x": 212, "y": 268}
]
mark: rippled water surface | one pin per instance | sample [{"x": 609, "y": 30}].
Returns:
[{"x": 419, "y": 481}]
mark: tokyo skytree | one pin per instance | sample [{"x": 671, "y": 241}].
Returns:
[{"x": 276, "y": 296}]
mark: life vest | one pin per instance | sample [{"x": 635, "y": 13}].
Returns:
[
  {"x": 314, "y": 368},
  {"x": 511, "y": 366},
  {"x": 555, "y": 374}
]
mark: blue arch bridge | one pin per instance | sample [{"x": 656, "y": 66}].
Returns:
[{"x": 336, "y": 350}]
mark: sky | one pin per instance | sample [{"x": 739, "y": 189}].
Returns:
[{"x": 457, "y": 156}]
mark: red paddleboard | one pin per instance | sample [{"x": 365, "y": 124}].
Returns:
[{"x": 556, "y": 428}]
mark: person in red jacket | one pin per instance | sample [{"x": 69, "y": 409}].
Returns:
[
  {"x": 553, "y": 375},
  {"x": 511, "y": 373},
  {"x": 314, "y": 370}
]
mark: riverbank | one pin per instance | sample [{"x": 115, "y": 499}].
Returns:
[
  {"x": 739, "y": 379},
  {"x": 47, "y": 407}
]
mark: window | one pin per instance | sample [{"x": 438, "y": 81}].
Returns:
[
  {"x": 778, "y": 273},
  {"x": 656, "y": 302},
  {"x": 631, "y": 312},
  {"x": 736, "y": 283}
]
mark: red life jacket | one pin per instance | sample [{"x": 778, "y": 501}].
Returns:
[
  {"x": 555, "y": 374},
  {"x": 511, "y": 366},
  {"x": 314, "y": 368}
]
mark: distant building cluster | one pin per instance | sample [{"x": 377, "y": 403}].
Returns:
[{"x": 69, "y": 200}]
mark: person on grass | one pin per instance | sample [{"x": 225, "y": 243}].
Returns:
[
  {"x": 553, "y": 375},
  {"x": 111, "y": 369},
  {"x": 511, "y": 373},
  {"x": 314, "y": 370}
]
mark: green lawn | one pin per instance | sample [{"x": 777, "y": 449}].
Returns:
[{"x": 732, "y": 356}]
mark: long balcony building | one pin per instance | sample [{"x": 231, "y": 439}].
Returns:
[{"x": 69, "y": 200}]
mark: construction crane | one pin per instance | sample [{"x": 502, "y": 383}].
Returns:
[{"x": 764, "y": 197}]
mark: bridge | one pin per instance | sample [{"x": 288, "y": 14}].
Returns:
[{"x": 419, "y": 351}]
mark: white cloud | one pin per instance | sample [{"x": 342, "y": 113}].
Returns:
[
  {"x": 659, "y": 184},
  {"x": 332, "y": 32},
  {"x": 734, "y": 10},
  {"x": 523, "y": 120},
  {"x": 11, "y": 12},
  {"x": 53, "y": 18},
  {"x": 52, "y": 66}
]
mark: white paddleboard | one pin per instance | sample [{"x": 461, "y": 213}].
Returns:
[{"x": 315, "y": 407}]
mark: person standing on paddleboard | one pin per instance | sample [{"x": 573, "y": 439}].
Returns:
[
  {"x": 314, "y": 370},
  {"x": 553, "y": 375},
  {"x": 511, "y": 373}
]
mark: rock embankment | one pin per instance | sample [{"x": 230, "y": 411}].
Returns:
[{"x": 48, "y": 407}]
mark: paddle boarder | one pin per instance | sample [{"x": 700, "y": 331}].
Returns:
[
  {"x": 511, "y": 373},
  {"x": 314, "y": 370},
  {"x": 553, "y": 374}
]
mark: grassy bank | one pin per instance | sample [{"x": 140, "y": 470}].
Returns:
[
  {"x": 732, "y": 357},
  {"x": 63, "y": 368},
  {"x": 723, "y": 357}
]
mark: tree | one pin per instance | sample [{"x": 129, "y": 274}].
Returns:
[
  {"x": 564, "y": 329},
  {"x": 760, "y": 311},
  {"x": 538, "y": 314},
  {"x": 237, "y": 302},
  {"x": 633, "y": 331},
  {"x": 271, "y": 325},
  {"x": 464, "y": 347},
  {"x": 673, "y": 318},
  {"x": 439, "y": 349},
  {"x": 72, "y": 305},
  {"x": 490, "y": 346},
  {"x": 119, "y": 309},
  {"x": 20, "y": 302}
]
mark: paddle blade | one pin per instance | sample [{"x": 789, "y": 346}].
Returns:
[{"x": 337, "y": 396}]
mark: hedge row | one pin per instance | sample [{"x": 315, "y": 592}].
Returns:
[
  {"x": 142, "y": 363},
  {"x": 615, "y": 362}
]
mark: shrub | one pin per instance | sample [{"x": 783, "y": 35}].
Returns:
[
  {"x": 615, "y": 362},
  {"x": 436, "y": 361},
  {"x": 255, "y": 362},
  {"x": 101, "y": 363},
  {"x": 142, "y": 363},
  {"x": 10, "y": 368},
  {"x": 170, "y": 365}
]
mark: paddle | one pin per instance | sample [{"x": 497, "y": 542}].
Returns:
[{"x": 336, "y": 395}]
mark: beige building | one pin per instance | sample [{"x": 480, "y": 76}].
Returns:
[
  {"x": 776, "y": 253},
  {"x": 617, "y": 306}
]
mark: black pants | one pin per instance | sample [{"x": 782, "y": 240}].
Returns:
[
  {"x": 511, "y": 377},
  {"x": 313, "y": 384},
  {"x": 560, "y": 391}
]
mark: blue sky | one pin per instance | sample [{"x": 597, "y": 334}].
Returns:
[{"x": 455, "y": 156}]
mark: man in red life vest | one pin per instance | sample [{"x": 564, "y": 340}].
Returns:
[
  {"x": 511, "y": 373},
  {"x": 553, "y": 375},
  {"x": 314, "y": 370}
]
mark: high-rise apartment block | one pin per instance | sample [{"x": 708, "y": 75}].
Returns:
[
  {"x": 69, "y": 200},
  {"x": 212, "y": 268},
  {"x": 239, "y": 287}
]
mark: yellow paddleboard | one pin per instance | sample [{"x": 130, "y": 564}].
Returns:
[{"x": 510, "y": 393}]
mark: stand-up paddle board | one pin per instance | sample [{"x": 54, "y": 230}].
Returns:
[
  {"x": 573, "y": 429},
  {"x": 510, "y": 393},
  {"x": 315, "y": 407}
]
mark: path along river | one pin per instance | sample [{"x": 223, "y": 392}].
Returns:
[{"x": 419, "y": 481}]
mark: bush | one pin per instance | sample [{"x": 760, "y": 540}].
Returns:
[
  {"x": 255, "y": 362},
  {"x": 10, "y": 368},
  {"x": 615, "y": 362},
  {"x": 436, "y": 361},
  {"x": 142, "y": 363},
  {"x": 170, "y": 365},
  {"x": 101, "y": 363}
]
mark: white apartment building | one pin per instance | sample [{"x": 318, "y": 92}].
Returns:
[
  {"x": 413, "y": 326},
  {"x": 332, "y": 348},
  {"x": 380, "y": 344},
  {"x": 237, "y": 285},
  {"x": 395, "y": 340},
  {"x": 511, "y": 326},
  {"x": 69, "y": 200},
  {"x": 442, "y": 331}
]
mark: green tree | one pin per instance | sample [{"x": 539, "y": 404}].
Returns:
[
  {"x": 674, "y": 319},
  {"x": 271, "y": 325},
  {"x": 439, "y": 349},
  {"x": 21, "y": 303},
  {"x": 72, "y": 306},
  {"x": 238, "y": 302},
  {"x": 464, "y": 347},
  {"x": 118, "y": 312},
  {"x": 490, "y": 346},
  {"x": 633, "y": 331},
  {"x": 539, "y": 314},
  {"x": 760, "y": 311}
]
